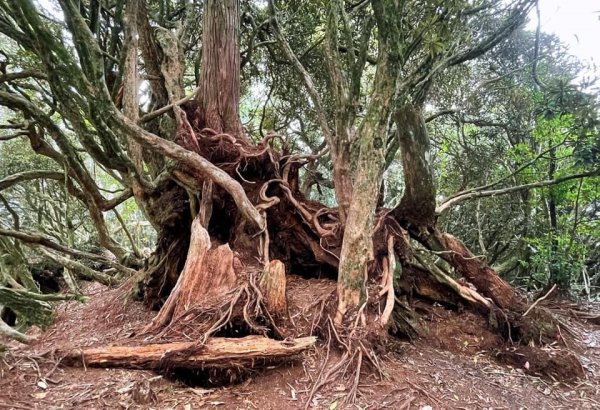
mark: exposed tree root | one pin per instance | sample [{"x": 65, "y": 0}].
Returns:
[
  {"x": 9, "y": 332},
  {"x": 358, "y": 343}
]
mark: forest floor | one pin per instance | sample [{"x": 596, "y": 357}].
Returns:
[{"x": 453, "y": 367}]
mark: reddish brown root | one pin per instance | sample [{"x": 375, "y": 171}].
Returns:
[{"x": 485, "y": 279}]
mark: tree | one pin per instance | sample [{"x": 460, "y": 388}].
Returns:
[{"x": 222, "y": 199}]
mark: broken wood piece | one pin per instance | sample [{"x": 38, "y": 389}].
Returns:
[
  {"x": 272, "y": 285},
  {"x": 207, "y": 275},
  {"x": 218, "y": 352}
]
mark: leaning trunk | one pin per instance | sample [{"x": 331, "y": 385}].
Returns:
[{"x": 416, "y": 214}]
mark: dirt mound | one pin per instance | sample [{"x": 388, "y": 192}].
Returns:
[
  {"x": 558, "y": 364},
  {"x": 457, "y": 331}
]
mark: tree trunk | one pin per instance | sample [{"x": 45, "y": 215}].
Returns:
[
  {"x": 367, "y": 170},
  {"x": 558, "y": 275},
  {"x": 357, "y": 244},
  {"x": 418, "y": 202},
  {"x": 219, "y": 95},
  {"x": 169, "y": 210},
  {"x": 416, "y": 213}
]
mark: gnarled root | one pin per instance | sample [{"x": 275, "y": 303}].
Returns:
[{"x": 357, "y": 346}]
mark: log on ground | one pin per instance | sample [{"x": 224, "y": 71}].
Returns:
[{"x": 216, "y": 353}]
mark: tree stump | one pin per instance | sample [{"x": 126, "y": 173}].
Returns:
[
  {"x": 273, "y": 286},
  {"x": 207, "y": 275}
]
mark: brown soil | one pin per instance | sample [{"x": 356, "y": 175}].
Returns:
[{"x": 453, "y": 366}]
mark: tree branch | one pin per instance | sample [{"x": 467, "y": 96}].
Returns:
[
  {"x": 152, "y": 115},
  {"x": 306, "y": 77},
  {"x": 29, "y": 175},
  {"x": 481, "y": 194},
  {"x": 504, "y": 178},
  {"x": 31, "y": 238}
]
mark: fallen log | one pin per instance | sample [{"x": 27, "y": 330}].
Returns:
[{"x": 217, "y": 353}]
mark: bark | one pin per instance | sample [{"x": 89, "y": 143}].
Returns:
[
  {"x": 150, "y": 55},
  {"x": 273, "y": 286},
  {"x": 418, "y": 202},
  {"x": 168, "y": 210},
  {"x": 485, "y": 279},
  {"x": 219, "y": 97},
  {"x": 216, "y": 353},
  {"x": 463, "y": 291},
  {"x": 7, "y": 331},
  {"x": 131, "y": 88}
]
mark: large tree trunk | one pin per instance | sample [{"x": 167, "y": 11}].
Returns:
[
  {"x": 218, "y": 109},
  {"x": 367, "y": 171},
  {"x": 219, "y": 95}
]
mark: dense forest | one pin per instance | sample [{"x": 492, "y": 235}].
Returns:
[{"x": 201, "y": 156}]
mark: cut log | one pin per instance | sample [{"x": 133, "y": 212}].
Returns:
[
  {"x": 217, "y": 353},
  {"x": 272, "y": 284}
]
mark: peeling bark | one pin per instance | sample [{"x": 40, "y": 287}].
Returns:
[
  {"x": 207, "y": 275},
  {"x": 219, "y": 96},
  {"x": 477, "y": 272},
  {"x": 273, "y": 286}
]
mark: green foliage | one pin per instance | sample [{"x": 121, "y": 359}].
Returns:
[
  {"x": 568, "y": 259},
  {"x": 16, "y": 156}
]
